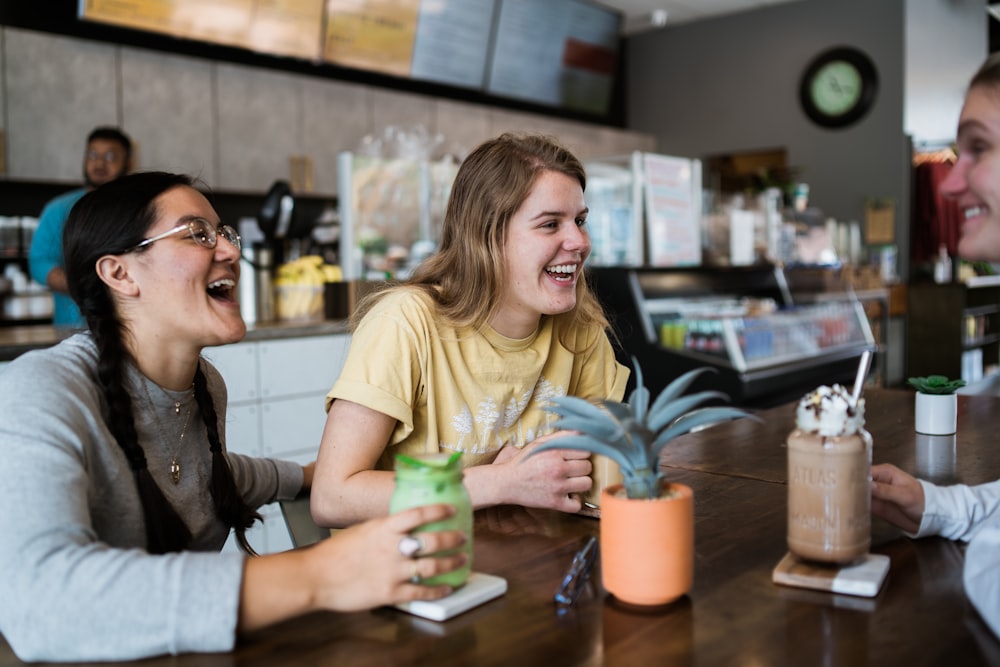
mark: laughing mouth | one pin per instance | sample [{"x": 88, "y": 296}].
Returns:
[
  {"x": 972, "y": 212},
  {"x": 222, "y": 289},
  {"x": 564, "y": 272}
]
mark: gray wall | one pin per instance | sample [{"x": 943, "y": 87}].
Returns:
[
  {"x": 234, "y": 125},
  {"x": 731, "y": 85},
  {"x": 946, "y": 41}
]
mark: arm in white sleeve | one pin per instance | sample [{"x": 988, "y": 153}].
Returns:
[
  {"x": 956, "y": 512},
  {"x": 982, "y": 573}
]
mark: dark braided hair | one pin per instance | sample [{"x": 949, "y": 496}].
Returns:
[{"x": 109, "y": 220}]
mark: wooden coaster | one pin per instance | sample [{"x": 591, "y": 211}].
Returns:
[{"x": 863, "y": 578}]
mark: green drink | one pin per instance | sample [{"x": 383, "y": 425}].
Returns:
[{"x": 430, "y": 479}]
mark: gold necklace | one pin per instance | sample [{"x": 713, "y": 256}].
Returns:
[{"x": 175, "y": 466}]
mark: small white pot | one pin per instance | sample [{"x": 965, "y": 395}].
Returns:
[{"x": 936, "y": 414}]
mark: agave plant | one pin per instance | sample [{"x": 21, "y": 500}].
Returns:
[{"x": 633, "y": 434}]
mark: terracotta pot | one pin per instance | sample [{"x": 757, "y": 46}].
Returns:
[{"x": 647, "y": 546}]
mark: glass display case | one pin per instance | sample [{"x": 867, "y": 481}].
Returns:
[
  {"x": 771, "y": 335},
  {"x": 749, "y": 334}
]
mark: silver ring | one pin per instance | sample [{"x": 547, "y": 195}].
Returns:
[
  {"x": 409, "y": 546},
  {"x": 415, "y": 577}
]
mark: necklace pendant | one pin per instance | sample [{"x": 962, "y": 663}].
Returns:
[
  {"x": 175, "y": 471},
  {"x": 177, "y": 408}
]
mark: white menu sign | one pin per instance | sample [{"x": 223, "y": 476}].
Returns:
[{"x": 673, "y": 210}]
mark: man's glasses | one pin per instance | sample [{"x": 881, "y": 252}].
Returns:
[
  {"x": 202, "y": 231},
  {"x": 106, "y": 156}
]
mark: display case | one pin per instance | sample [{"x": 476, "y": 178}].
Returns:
[{"x": 771, "y": 335}]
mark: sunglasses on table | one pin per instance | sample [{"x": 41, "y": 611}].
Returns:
[{"x": 202, "y": 231}]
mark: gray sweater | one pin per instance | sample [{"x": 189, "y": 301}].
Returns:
[{"x": 76, "y": 581}]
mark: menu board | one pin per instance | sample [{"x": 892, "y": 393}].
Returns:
[
  {"x": 561, "y": 53},
  {"x": 375, "y": 35},
  {"x": 452, "y": 40},
  {"x": 557, "y": 53},
  {"x": 279, "y": 27}
]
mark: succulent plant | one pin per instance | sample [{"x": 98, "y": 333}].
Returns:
[
  {"x": 935, "y": 384},
  {"x": 633, "y": 434}
]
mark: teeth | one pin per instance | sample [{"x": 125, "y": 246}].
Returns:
[
  {"x": 225, "y": 282},
  {"x": 972, "y": 212},
  {"x": 562, "y": 268}
]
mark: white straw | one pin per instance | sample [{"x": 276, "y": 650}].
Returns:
[{"x": 859, "y": 380}]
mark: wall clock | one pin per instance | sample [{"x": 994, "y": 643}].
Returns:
[{"x": 838, "y": 87}]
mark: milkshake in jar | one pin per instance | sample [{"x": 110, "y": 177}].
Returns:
[{"x": 829, "y": 473}]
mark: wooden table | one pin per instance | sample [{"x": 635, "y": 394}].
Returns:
[{"x": 733, "y": 616}]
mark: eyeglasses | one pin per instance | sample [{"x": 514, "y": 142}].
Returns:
[
  {"x": 106, "y": 156},
  {"x": 576, "y": 577},
  {"x": 202, "y": 231}
]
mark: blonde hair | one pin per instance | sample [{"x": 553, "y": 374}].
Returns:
[
  {"x": 465, "y": 278},
  {"x": 988, "y": 74}
]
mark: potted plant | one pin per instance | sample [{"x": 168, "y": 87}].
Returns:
[
  {"x": 936, "y": 409},
  {"x": 647, "y": 523}
]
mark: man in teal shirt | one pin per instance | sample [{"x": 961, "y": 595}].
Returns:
[{"x": 108, "y": 156}]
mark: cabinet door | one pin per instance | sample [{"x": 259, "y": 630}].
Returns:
[
  {"x": 301, "y": 366},
  {"x": 243, "y": 429},
  {"x": 238, "y": 365},
  {"x": 291, "y": 427}
]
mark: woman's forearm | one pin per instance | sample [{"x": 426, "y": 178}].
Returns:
[{"x": 362, "y": 496}]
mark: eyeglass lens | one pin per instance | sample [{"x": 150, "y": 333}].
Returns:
[
  {"x": 206, "y": 235},
  {"x": 107, "y": 156}
]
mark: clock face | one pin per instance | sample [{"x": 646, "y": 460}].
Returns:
[{"x": 836, "y": 88}]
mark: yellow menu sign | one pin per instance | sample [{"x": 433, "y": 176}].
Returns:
[
  {"x": 371, "y": 34},
  {"x": 281, "y": 27}
]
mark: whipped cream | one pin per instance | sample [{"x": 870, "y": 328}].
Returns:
[{"x": 830, "y": 411}]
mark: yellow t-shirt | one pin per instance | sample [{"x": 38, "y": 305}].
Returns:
[{"x": 466, "y": 390}]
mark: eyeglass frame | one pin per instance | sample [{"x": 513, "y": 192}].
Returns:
[
  {"x": 103, "y": 156},
  {"x": 232, "y": 236},
  {"x": 576, "y": 578}
]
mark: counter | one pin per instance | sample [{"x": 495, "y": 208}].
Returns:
[{"x": 15, "y": 341}]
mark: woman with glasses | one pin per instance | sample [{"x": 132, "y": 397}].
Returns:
[{"x": 118, "y": 491}]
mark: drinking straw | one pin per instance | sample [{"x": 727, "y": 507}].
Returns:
[{"x": 859, "y": 380}]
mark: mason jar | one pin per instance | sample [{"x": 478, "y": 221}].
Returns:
[
  {"x": 430, "y": 479},
  {"x": 829, "y": 496}
]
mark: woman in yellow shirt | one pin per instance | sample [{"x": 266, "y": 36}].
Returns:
[{"x": 465, "y": 355}]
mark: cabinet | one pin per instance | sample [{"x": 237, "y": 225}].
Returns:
[
  {"x": 954, "y": 329},
  {"x": 276, "y": 389},
  {"x": 771, "y": 336}
]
